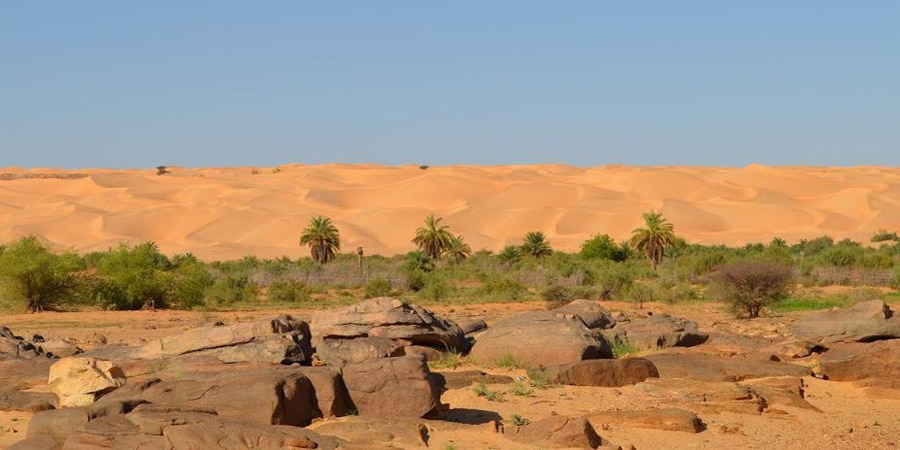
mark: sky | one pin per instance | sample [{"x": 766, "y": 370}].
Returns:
[{"x": 198, "y": 83}]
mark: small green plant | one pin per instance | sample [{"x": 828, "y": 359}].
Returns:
[
  {"x": 518, "y": 420},
  {"x": 537, "y": 378},
  {"x": 288, "y": 291},
  {"x": 556, "y": 296},
  {"x": 508, "y": 361},
  {"x": 449, "y": 360},
  {"x": 276, "y": 170},
  {"x": 519, "y": 389},
  {"x": 378, "y": 287},
  {"x": 481, "y": 390},
  {"x": 622, "y": 347},
  {"x": 450, "y": 447}
]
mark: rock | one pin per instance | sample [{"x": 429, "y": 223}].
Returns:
[
  {"x": 430, "y": 354},
  {"x": 332, "y": 396},
  {"x": 281, "y": 339},
  {"x": 540, "y": 338},
  {"x": 56, "y": 424},
  {"x": 111, "y": 432},
  {"x": 666, "y": 419},
  {"x": 557, "y": 432},
  {"x": 16, "y": 347},
  {"x": 21, "y": 374},
  {"x": 392, "y": 319},
  {"x": 391, "y": 433},
  {"x": 340, "y": 352},
  {"x": 79, "y": 381},
  {"x": 863, "y": 322},
  {"x": 601, "y": 372},
  {"x": 701, "y": 396},
  {"x": 716, "y": 368},
  {"x": 26, "y": 401},
  {"x": 466, "y": 378},
  {"x": 392, "y": 387},
  {"x": 230, "y": 434},
  {"x": 660, "y": 331},
  {"x": 471, "y": 326},
  {"x": 867, "y": 364},
  {"x": 781, "y": 391},
  {"x": 593, "y": 315},
  {"x": 40, "y": 442}
]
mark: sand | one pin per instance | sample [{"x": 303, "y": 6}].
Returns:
[{"x": 226, "y": 213}]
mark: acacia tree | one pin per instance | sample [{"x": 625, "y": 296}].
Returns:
[
  {"x": 322, "y": 238},
  {"x": 457, "y": 250},
  {"x": 653, "y": 240},
  {"x": 751, "y": 285},
  {"x": 36, "y": 278},
  {"x": 536, "y": 245},
  {"x": 433, "y": 238}
]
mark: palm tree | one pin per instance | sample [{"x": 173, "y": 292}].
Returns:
[
  {"x": 536, "y": 245},
  {"x": 323, "y": 239},
  {"x": 457, "y": 250},
  {"x": 433, "y": 238},
  {"x": 655, "y": 239}
]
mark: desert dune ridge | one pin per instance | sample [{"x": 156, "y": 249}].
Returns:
[{"x": 227, "y": 213}]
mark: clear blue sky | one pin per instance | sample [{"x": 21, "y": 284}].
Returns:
[{"x": 217, "y": 83}]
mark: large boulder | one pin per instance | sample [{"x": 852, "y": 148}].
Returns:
[
  {"x": 593, "y": 315},
  {"x": 340, "y": 352},
  {"x": 657, "y": 332},
  {"x": 718, "y": 368},
  {"x": 666, "y": 419},
  {"x": 15, "y": 347},
  {"x": 389, "y": 318},
  {"x": 392, "y": 387},
  {"x": 540, "y": 338},
  {"x": 862, "y": 322},
  {"x": 600, "y": 372},
  {"x": 230, "y": 434},
  {"x": 79, "y": 381},
  {"x": 26, "y": 401},
  {"x": 875, "y": 364},
  {"x": 376, "y": 431},
  {"x": 278, "y": 340}
]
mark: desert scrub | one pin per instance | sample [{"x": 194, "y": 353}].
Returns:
[
  {"x": 449, "y": 360},
  {"x": 481, "y": 390},
  {"x": 520, "y": 389},
  {"x": 518, "y": 421},
  {"x": 288, "y": 291},
  {"x": 508, "y": 361},
  {"x": 377, "y": 287},
  {"x": 622, "y": 347},
  {"x": 537, "y": 378},
  {"x": 36, "y": 279},
  {"x": 751, "y": 285}
]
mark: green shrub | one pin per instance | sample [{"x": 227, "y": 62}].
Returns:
[
  {"x": 131, "y": 277},
  {"x": 883, "y": 235},
  {"x": 556, "y": 295},
  {"x": 288, "y": 291},
  {"x": 614, "y": 280},
  {"x": 232, "y": 288},
  {"x": 437, "y": 289},
  {"x": 35, "y": 278},
  {"x": 503, "y": 288},
  {"x": 508, "y": 361},
  {"x": 377, "y": 287},
  {"x": 519, "y": 389},
  {"x": 190, "y": 283},
  {"x": 518, "y": 421},
  {"x": 622, "y": 347},
  {"x": 509, "y": 256},
  {"x": 601, "y": 247}
]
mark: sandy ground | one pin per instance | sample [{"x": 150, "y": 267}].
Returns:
[
  {"x": 849, "y": 418},
  {"x": 231, "y": 212}
]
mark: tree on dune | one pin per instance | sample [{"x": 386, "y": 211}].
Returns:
[
  {"x": 655, "y": 238},
  {"x": 536, "y": 245},
  {"x": 322, "y": 238},
  {"x": 457, "y": 250},
  {"x": 433, "y": 238}
]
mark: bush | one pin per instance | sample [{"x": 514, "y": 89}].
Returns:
[
  {"x": 436, "y": 288},
  {"x": 556, "y": 296},
  {"x": 35, "y": 278},
  {"x": 288, "y": 291},
  {"x": 504, "y": 288},
  {"x": 614, "y": 280},
  {"x": 190, "y": 284},
  {"x": 602, "y": 247},
  {"x": 231, "y": 289},
  {"x": 883, "y": 235},
  {"x": 378, "y": 287},
  {"x": 751, "y": 285},
  {"x": 131, "y": 277}
]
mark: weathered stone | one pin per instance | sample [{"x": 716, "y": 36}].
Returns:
[
  {"x": 781, "y": 391},
  {"x": 396, "y": 432},
  {"x": 863, "y": 322},
  {"x": 229, "y": 434},
  {"x": 875, "y": 364},
  {"x": 22, "y": 374},
  {"x": 557, "y": 432},
  {"x": 77, "y": 381},
  {"x": 466, "y": 378},
  {"x": 470, "y": 326},
  {"x": 593, "y": 315},
  {"x": 340, "y": 352},
  {"x": 716, "y": 368},
  {"x": 666, "y": 419},
  {"x": 331, "y": 394},
  {"x": 392, "y": 387},
  {"x": 281, "y": 339},
  {"x": 430, "y": 354},
  {"x": 699, "y": 395},
  {"x": 57, "y": 424},
  {"x": 17, "y": 347},
  {"x": 26, "y": 401},
  {"x": 540, "y": 338},
  {"x": 111, "y": 432},
  {"x": 601, "y": 372},
  {"x": 660, "y": 331},
  {"x": 388, "y": 318}
]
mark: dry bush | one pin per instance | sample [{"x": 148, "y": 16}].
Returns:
[{"x": 751, "y": 285}]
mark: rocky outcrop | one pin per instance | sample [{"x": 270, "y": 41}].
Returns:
[
  {"x": 388, "y": 318},
  {"x": 718, "y": 368},
  {"x": 79, "y": 381},
  {"x": 601, "y": 372},
  {"x": 875, "y": 364},
  {"x": 557, "y": 432},
  {"x": 591, "y": 313},
  {"x": 390, "y": 433},
  {"x": 666, "y": 419},
  {"x": 538, "y": 339},
  {"x": 864, "y": 322},
  {"x": 657, "y": 332},
  {"x": 392, "y": 387},
  {"x": 340, "y": 352}
]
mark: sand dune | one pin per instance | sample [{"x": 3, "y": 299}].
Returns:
[{"x": 225, "y": 213}]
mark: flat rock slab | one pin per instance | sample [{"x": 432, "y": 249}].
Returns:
[
  {"x": 397, "y": 432},
  {"x": 591, "y": 313},
  {"x": 600, "y": 372},
  {"x": 392, "y": 387},
  {"x": 540, "y": 338},
  {"x": 862, "y": 322},
  {"x": 717, "y": 368},
  {"x": 466, "y": 378},
  {"x": 557, "y": 432},
  {"x": 875, "y": 364},
  {"x": 26, "y": 401},
  {"x": 666, "y": 419},
  {"x": 701, "y": 396}
]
